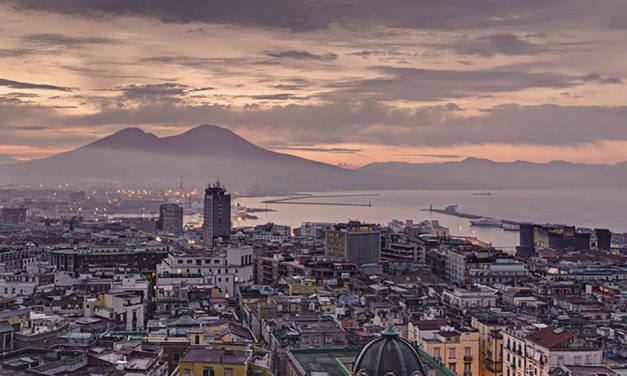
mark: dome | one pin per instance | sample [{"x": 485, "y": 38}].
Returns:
[{"x": 389, "y": 355}]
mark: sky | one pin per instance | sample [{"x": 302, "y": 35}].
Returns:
[{"x": 347, "y": 82}]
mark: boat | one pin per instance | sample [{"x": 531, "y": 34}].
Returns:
[
  {"x": 510, "y": 226},
  {"x": 486, "y": 222},
  {"x": 482, "y": 194}
]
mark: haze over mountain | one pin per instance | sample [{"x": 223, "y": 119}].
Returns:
[
  {"x": 475, "y": 172},
  {"x": 202, "y": 154},
  {"x": 207, "y": 153}
]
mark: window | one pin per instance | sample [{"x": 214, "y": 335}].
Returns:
[
  {"x": 452, "y": 366},
  {"x": 468, "y": 368},
  {"x": 208, "y": 372},
  {"x": 228, "y": 372},
  {"x": 188, "y": 372},
  {"x": 467, "y": 351},
  {"x": 197, "y": 339},
  {"x": 436, "y": 353},
  {"x": 176, "y": 357},
  {"x": 451, "y": 353}
]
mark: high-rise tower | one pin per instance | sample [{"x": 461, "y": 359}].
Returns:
[{"x": 217, "y": 214}]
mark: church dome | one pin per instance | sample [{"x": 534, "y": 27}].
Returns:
[{"x": 389, "y": 355}]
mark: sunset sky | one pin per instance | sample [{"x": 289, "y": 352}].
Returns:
[{"x": 345, "y": 82}]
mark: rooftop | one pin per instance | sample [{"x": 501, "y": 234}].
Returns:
[{"x": 216, "y": 356}]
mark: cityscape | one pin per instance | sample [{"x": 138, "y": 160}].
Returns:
[
  {"x": 89, "y": 288},
  {"x": 313, "y": 188}
]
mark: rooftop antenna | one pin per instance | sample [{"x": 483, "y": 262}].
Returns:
[{"x": 181, "y": 184}]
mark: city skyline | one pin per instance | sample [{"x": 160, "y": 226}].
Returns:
[{"x": 343, "y": 83}]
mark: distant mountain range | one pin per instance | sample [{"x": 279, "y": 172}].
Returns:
[
  {"x": 475, "y": 173},
  {"x": 208, "y": 153}
]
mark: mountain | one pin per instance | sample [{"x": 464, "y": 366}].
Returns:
[
  {"x": 200, "y": 155},
  {"x": 207, "y": 153},
  {"x": 475, "y": 173}
]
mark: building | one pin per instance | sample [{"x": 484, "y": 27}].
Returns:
[
  {"x": 478, "y": 297},
  {"x": 216, "y": 214},
  {"x": 456, "y": 348},
  {"x": 214, "y": 362},
  {"x": 490, "y": 345},
  {"x": 315, "y": 230},
  {"x": 401, "y": 358},
  {"x": 483, "y": 267},
  {"x": 409, "y": 252},
  {"x": 272, "y": 232},
  {"x": 125, "y": 307},
  {"x": 270, "y": 270},
  {"x": 387, "y": 354},
  {"x": 14, "y": 216},
  {"x": 144, "y": 258},
  {"x": 170, "y": 218},
  {"x": 228, "y": 269},
  {"x": 534, "y": 237},
  {"x": 536, "y": 349},
  {"x": 12, "y": 321},
  {"x": 354, "y": 241}
]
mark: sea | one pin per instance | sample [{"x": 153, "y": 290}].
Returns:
[{"x": 583, "y": 208}]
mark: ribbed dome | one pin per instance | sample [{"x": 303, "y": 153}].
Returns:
[{"x": 389, "y": 355}]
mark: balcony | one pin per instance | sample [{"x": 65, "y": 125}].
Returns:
[
  {"x": 494, "y": 366},
  {"x": 467, "y": 358}
]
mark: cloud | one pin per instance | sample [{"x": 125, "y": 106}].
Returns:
[
  {"x": 196, "y": 30},
  {"x": 166, "y": 91},
  {"x": 31, "y": 128},
  {"x": 318, "y": 149},
  {"x": 439, "y": 156},
  {"x": 445, "y": 84},
  {"x": 27, "y": 85},
  {"x": 356, "y": 122},
  {"x": 298, "y": 15},
  {"x": 300, "y": 55},
  {"x": 64, "y": 41},
  {"x": 604, "y": 80}
]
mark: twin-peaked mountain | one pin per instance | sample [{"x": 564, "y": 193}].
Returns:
[
  {"x": 200, "y": 155},
  {"x": 207, "y": 153}
]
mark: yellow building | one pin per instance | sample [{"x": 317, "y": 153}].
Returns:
[
  {"x": 301, "y": 286},
  {"x": 214, "y": 362},
  {"x": 457, "y": 349},
  {"x": 11, "y": 321},
  {"x": 490, "y": 346},
  {"x": 220, "y": 362}
]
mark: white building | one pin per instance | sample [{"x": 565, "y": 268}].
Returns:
[
  {"x": 536, "y": 349},
  {"x": 226, "y": 268},
  {"x": 478, "y": 297}
]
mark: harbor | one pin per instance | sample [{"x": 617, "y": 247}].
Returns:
[
  {"x": 477, "y": 220},
  {"x": 302, "y": 199}
]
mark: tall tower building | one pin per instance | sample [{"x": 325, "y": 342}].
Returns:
[
  {"x": 217, "y": 214},
  {"x": 170, "y": 218}
]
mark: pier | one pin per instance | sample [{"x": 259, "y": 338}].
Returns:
[
  {"x": 298, "y": 200},
  {"x": 452, "y": 211}
]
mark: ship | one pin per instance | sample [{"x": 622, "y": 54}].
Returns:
[
  {"x": 482, "y": 194},
  {"x": 510, "y": 226},
  {"x": 486, "y": 222}
]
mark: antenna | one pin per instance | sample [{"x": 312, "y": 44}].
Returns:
[{"x": 181, "y": 184}]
